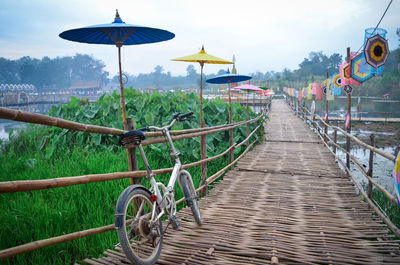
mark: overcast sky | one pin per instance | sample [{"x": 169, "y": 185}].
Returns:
[{"x": 263, "y": 35}]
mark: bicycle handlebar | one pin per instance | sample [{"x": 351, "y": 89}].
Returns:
[
  {"x": 184, "y": 116},
  {"x": 136, "y": 136},
  {"x": 177, "y": 117}
]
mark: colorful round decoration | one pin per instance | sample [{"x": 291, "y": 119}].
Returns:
[
  {"x": 376, "y": 51},
  {"x": 396, "y": 176},
  {"x": 346, "y": 71},
  {"x": 324, "y": 91},
  {"x": 348, "y": 89},
  {"x": 337, "y": 80},
  {"x": 360, "y": 70}
]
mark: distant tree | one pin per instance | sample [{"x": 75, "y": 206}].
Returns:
[
  {"x": 221, "y": 72},
  {"x": 56, "y": 73},
  {"x": 191, "y": 71},
  {"x": 398, "y": 34},
  {"x": 287, "y": 75}
]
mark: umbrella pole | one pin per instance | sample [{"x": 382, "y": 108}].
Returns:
[
  {"x": 122, "y": 95},
  {"x": 247, "y": 125},
  {"x": 254, "y": 104},
  {"x": 122, "y": 103},
  {"x": 230, "y": 122},
  {"x": 201, "y": 94},
  {"x": 203, "y": 147},
  {"x": 326, "y": 110}
]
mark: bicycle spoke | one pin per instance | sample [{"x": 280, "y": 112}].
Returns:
[{"x": 140, "y": 209}]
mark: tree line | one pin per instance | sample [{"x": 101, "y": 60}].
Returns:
[
  {"x": 59, "y": 73},
  {"x": 52, "y": 74}
]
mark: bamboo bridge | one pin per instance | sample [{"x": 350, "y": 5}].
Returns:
[{"x": 285, "y": 202}]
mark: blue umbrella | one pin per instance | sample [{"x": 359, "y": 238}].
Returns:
[
  {"x": 223, "y": 79},
  {"x": 228, "y": 78},
  {"x": 117, "y": 33}
]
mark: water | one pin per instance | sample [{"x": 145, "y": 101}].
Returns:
[
  {"x": 367, "y": 104},
  {"x": 382, "y": 167},
  {"x": 7, "y": 125}
]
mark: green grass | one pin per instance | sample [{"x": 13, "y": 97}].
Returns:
[
  {"x": 35, "y": 215},
  {"x": 391, "y": 209}
]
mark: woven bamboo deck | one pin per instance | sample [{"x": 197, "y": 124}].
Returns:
[{"x": 287, "y": 201}]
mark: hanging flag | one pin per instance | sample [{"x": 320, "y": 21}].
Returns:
[
  {"x": 301, "y": 94},
  {"x": 314, "y": 88},
  {"x": 318, "y": 90},
  {"x": 294, "y": 92},
  {"x": 309, "y": 91},
  {"x": 329, "y": 95}
]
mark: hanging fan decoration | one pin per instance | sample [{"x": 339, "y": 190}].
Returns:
[
  {"x": 361, "y": 70},
  {"x": 345, "y": 74},
  {"x": 376, "y": 51}
]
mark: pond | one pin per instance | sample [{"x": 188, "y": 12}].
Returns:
[
  {"x": 7, "y": 125},
  {"x": 367, "y": 104},
  {"x": 382, "y": 167}
]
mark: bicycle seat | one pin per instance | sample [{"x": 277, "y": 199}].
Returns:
[{"x": 131, "y": 138}]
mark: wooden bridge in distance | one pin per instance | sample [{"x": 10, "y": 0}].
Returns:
[{"x": 286, "y": 202}]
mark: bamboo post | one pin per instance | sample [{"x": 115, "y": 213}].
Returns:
[
  {"x": 335, "y": 137},
  {"x": 122, "y": 95},
  {"x": 326, "y": 111},
  {"x": 304, "y": 104},
  {"x": 348, "y": 128},
  {"x": 132, "y": 158},
  {"x": 203, "y": 144},
  {"x": 231, "y": 158},
  {"x": 371, "y": 166},
  {"x": 312, "y": 120}
]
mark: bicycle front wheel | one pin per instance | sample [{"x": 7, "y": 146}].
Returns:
[
  {"x": 140, "y": 239},
  {"x": 191, "y": 197}
]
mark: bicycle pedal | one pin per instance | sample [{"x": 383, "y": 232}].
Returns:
[{"x": 175, "y": 222}]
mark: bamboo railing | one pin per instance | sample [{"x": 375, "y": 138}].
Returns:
[
  {"x": 305, "y": 114},
  {"x": 31, "y": 185}
]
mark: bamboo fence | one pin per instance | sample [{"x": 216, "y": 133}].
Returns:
[
  {"x": 30, "y": 185},
  {"x": 327, "y": 140}
]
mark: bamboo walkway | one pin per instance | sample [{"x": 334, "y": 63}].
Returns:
[{"x": 285, "y": 202}]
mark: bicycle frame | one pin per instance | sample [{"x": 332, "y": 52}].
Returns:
[{"x": 166, "y": 202}]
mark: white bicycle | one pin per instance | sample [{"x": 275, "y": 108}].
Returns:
[{"x": 139, "y": 211}]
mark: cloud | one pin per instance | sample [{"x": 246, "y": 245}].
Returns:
[{"x": 263, "y": 35}]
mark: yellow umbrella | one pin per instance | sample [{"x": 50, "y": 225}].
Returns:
[{"x": 202, "y": 57}]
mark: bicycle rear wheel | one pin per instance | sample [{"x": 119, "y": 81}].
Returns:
[
  {"x": 140, "y": 240},
  {"x": 191, "y": 197}
]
